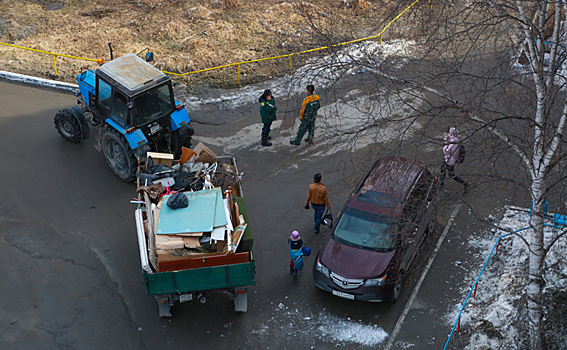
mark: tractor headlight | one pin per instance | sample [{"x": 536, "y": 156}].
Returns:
[
  {"x": 373, "y": 282},
  {"x": 319, "y": 267}
]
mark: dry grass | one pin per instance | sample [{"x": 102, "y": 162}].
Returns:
[{"x": 184, "y": 35}]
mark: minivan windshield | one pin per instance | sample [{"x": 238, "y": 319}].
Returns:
[
  {"x": 153, "y": 104},
  {"x": 366, "y": 230}
]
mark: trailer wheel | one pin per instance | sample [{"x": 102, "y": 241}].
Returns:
[
  {"x": 240, "y": 300},
  {"x": 68, "y": 126},
  {"x": 164, "y": 309},
  {"x": 119, "y": 155}
]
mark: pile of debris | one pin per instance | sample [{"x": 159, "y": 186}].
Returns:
[{"x": 191, "y": 207}]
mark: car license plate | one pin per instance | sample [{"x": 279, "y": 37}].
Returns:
[
  {"x": 154, "y": 129},
  {"x": 343, "y": 295},
  {"x": 185, "y": 297}
]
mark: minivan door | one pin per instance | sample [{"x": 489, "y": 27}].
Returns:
[
  {"x": 407, "y": 245},
  {"x": 415, "y": 216}
]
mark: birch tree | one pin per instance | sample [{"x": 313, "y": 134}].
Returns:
[{"x": 495, "y": 69}]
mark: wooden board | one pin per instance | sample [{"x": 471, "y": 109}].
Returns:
[
  {"x": 192, "y": 234},
  {"x": 184, "y": 263},
  {"x": 151, "y": 237}
]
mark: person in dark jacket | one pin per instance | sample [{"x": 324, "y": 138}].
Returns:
[
  {"x": 268, "y": 113},
  {"x": 450, "y": 155},
  {"x": 295, "y": 253},
  {"x": 309, "y": 108}
]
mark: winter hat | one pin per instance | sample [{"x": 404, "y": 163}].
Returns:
[{"x": 294, "y": 236}]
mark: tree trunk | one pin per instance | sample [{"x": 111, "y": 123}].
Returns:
[{"x": 536, "y": 259}]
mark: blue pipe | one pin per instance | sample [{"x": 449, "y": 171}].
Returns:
[
  {"x": 548, "y": 43},
  {"x": 470, "y": 291}
]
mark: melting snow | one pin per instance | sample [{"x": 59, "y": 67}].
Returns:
[{"x": 496, "y": 318}]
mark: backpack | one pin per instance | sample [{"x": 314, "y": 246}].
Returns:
[{"x": 461, "y": 154}]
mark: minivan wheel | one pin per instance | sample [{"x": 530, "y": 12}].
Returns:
[
  {"x": 397, "y": 291},
  {"x": 431, "y": 226}
]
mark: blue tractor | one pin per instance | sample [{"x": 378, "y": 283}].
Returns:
[{"x": 132, "y": 102}]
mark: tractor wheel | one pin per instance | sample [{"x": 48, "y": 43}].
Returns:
[
  {"x": 119, "y": 155},
  {"x": 68, "y": 126}
]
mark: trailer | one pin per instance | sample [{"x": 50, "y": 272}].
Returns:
[{"x": 179, "y": 275}]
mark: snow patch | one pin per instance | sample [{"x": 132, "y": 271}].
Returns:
[
  {"x": 289, "y": 320},
  {"x": 495, "y": 318}
]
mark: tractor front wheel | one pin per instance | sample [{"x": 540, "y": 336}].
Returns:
[
  {"x": 119, "y": 155},
  {"x": 68, "y": 126}
]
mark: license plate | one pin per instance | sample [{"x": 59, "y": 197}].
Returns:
[
  {"x": 154, "y": 129},
  {"x": 343, "y": 295},
  {"x": 185, "y": 297}
]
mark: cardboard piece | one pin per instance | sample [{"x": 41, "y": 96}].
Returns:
[
  {"x": 204, "y": 154},
  {"x": 186, "y": 154},
  {"x": 161, "y": 158},
  {"x": 191, "y": 242},
  {"x": 167, "y": 242}
]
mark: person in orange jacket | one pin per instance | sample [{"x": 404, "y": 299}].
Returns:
[{"x": 318, "y": 197}]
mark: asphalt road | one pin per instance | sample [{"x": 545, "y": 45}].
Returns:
[{"x": 71, "y": 271}]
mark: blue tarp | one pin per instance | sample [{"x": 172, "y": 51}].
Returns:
[{"x": 205, "y": 211}]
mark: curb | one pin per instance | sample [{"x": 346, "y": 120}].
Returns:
[{"x": 38, "y": 81}]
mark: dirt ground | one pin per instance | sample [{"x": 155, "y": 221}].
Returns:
[{"x": 184, "y": 35}]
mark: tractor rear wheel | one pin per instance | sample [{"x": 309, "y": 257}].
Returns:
[
  {"x": 68, "y": 126},
  {"x": 119, "y": 155}
]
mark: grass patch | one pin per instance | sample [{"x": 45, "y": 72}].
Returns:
[{"x": 184, "y": 35}]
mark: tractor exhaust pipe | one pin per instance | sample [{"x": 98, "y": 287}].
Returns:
[{"x": 111, "y": 55}]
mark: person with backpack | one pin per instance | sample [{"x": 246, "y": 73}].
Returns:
[
  {"x": 295, "y": 253},
  {"x": 268, "y": 113},
  {"x": 309, "y": 108},
  {"x": 453, "y": 153}
]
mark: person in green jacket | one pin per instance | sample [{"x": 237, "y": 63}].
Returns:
[
  {"x": 307, "y": 115},
  {"x": 268, "y": 113}
]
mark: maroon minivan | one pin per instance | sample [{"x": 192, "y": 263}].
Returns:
[{"x": 378, "y": 232}]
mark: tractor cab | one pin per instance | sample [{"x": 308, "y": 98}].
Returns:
[{"x": 134, "y": 103}]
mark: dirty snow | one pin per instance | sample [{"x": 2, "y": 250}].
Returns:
[
  {"x": 319, "y": 72},
  {"x": 323, "y": 326},
  {"x": 496, "y": 318},
  {"x": 339, "y": 121}
]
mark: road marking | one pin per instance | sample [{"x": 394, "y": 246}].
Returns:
[{"x": 421, "y": 279}]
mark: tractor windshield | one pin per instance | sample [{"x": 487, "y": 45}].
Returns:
[{"x": 153, "y": 104}]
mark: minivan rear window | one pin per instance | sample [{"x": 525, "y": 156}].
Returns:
[
  {"x": 377, "y": 198},
  {"x": 366, "y": 230}
]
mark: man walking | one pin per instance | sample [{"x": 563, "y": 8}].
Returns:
[
  {"x": 451, "y": 154},
  {"x": 308, "y": 113},
  {"x": 318, "y": 197}
]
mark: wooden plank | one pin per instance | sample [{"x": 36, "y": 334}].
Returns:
[
  {"x": 152, "y": 225},
  {"x": 202, "y": 261},
  {"x": 192, "y": 234},
  {"x": 238, "y": 235}
]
